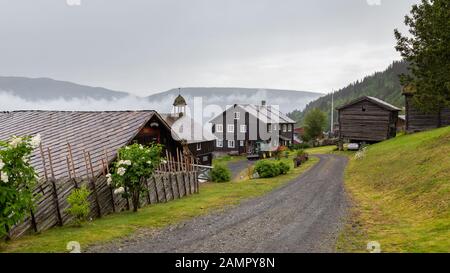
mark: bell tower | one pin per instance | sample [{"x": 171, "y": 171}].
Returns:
[{"x": 179, "y": 106}]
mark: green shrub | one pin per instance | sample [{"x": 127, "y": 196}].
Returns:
[
  {"x": 270, "y": 168},
  {"x": 300, "y": 152},
  {"x": 220, "y": 173},
  {"x": 267, "y": 168},
  {"x": 284, "y": 167},
  {"x": 79, "y": 205}
]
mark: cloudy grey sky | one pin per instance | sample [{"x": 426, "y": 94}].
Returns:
[{"x": 149, "y": 46}]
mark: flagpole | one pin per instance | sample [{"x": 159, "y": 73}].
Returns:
[{"x": 332, "y": 112}]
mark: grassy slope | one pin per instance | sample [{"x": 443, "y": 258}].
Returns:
[
  {"x": 401, "y": 190},
  {"x": 212, "y": 196}
]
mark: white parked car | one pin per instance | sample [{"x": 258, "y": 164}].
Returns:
[{"x": 353, "y": 147}]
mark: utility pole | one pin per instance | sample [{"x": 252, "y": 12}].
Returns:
[{"x": 332, "y": 112}]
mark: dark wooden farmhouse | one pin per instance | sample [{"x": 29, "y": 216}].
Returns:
[
  {"x": 200, "y": 142},
  {"x": 417, "y": 121},
  {"x": 99, "y": 133},
  {"x": 367, "y": 119},
  {"x": 244, "y": 129}
]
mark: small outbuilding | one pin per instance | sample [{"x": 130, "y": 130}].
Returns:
[
  {"x": 367, "y": 119},
  {"x": 417, "y": 120}
]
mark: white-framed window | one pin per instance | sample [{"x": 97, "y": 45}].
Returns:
[
  {"x": 269, "y": 128},
  {"x": 241, "y": 143},
  {"x": 231, "y": 144},
  {"x": 199, "y": 146},
  {"x": 284, "y": 128},
  {"x": 219, "y": 128},
  {"x": 290, "y": 127},
  {"x": 237, "y": 115},
  {"x": 219, "y": 143},
  {"x": 243, "y": 128},
  {"x": 230, "y": 128},
  {"x": 274, "y": 127}
]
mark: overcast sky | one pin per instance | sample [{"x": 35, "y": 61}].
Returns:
[{"x": 149, "y": 46}]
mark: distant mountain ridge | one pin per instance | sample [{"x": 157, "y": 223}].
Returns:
[
  {"x": 34, "y": 89},
  {"x": 39, "y": 92},
  {"x": 384, "y": 85},
  {"x": 287, "y": 100}
]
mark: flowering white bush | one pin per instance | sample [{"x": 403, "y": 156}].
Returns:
[
  {"x": 135, "y": 163},
  {"x": 17, "y": 180},
  {"x": 361, "y": 153}
]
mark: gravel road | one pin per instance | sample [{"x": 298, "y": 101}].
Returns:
[{"x": 305, "y": 215}]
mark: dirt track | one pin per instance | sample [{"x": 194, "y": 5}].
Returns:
[{"x": 302, "y": 216}]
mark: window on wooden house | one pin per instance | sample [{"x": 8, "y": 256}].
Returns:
[
  {"x": 230, "y": 128},
  {"x": 237, "y": 115},
  {"x": 231, "y": 144},
  {"x": 219, "y": 143},
  {"x": 199, "y": 146},
  {"x": 243, "y": 128},
  {"x": 219, "y": 128}
]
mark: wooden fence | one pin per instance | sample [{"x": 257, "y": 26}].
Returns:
[{"x": 172, "y": 180}]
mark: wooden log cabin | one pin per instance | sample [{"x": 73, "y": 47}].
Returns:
[
  {"x": 367, "y": 120},
  {"x": 417, "y": 121}
]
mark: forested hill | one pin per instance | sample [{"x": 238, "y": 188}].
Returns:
[{"x": 383, "y": 85}]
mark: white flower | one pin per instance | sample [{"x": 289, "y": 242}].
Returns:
[
  {"x": 4, "y": 177},
  {"x": 109, "y": 179},
  {"x": 121, "y": 171},
  {"x": 35, "y": 141},
  {"x": 141, "y": 147},
  {"x": 164, "y": 161},
  {"x": 127, "y": 148},
  {"x": 1, "y": 164},
  {"x": 119, "y": 190},
  {"x": 149, "y": 162},
  {"x": 125, "y": 162},
  {"x": 15, "y": 141}
]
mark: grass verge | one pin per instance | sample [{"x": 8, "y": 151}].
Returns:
[
  {"x": 401, "y": 195},
  {"x": 212, "y": 197}
]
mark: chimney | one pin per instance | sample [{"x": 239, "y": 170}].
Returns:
[{"x": 263, "y": 103}]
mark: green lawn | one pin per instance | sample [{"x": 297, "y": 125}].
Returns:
[
  {"x": 228, "y": 159},
  {"x": 321, "y": 150},
  {"x": 401, "y": 195},
  {"x": 213, "y": 196}
]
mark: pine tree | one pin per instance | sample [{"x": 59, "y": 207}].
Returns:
[{"x": 427, "y": 50}]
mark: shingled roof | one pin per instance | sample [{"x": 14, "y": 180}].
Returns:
[
  {"x": 268, "y": 114},
  {"x": 376, "y": 101},
  {"x": 94, "y": 132}
]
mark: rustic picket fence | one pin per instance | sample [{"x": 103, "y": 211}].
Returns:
[{"x": 175, "y": 179}]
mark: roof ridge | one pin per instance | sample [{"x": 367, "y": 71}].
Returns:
[{"x": 83, "y": 111}]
